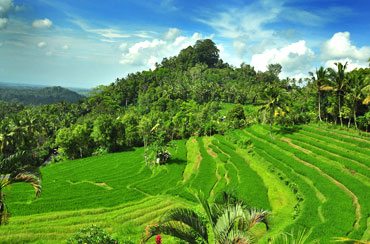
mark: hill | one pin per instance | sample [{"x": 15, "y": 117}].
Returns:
[
  {"x": 305, "y": 178},
  {"x": 38, "y": 96}
]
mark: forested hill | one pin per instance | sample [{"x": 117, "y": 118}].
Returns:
[{"x": 38, "y": 96}]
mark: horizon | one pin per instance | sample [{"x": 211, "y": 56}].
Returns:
[{"x": 88, "y": 43}]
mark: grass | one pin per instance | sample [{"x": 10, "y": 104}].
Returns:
[{"x": 311, "y": 177}]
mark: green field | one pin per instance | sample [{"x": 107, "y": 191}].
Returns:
[{"x": 309, "y": 176}]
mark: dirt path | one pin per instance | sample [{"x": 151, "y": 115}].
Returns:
[
  {"x": 199, "y": 158},
  {"x": 338, "y": 134},
  {"x": 289, "y": 141},
  {"x": 340, "y": 185},
  {"x": 333, "y": 154}
]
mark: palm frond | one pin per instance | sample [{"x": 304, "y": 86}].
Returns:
[
  {"x": 172, "y": 228},
  {"x": 349, "y": 240},
  {"x": 190, "y": 218},
  {"x": 299, "y": 237}
]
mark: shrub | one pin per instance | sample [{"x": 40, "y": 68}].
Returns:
[{"x": 92, "y": 235}]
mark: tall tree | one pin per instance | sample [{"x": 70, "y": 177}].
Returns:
[
  {"x": 14, "y": 169},
  {"x": 274, "y": 99},
  {"x": 319, "y": 79},
  {"x": 338, "y": 81},
  {"x": 355, "y": 94}
]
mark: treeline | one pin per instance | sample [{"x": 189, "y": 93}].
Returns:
[
  {"x": 182, "y": 97},
  {"x": 38, "y": 96}
]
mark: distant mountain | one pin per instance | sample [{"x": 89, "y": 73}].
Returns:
[
  {"x": 29, "y": 95},
  {"x": 81, "y": 91}
]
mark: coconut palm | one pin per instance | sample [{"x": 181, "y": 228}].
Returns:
[
  {"x": 275, "y": 100},
  {"x": 229, "y": 218},
  {"x": 338, "y": 82},
  {"x": 319, "y": 79},
  {"x": 356, "y": 91},
  {"x": 13, "y": 169}
]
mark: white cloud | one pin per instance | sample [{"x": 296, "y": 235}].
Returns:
[
  {"x": 352, "y": 64},
  {"x": 123, "y": 46},
  {"x": 41, "y": 44},
  {"x": 294, "y": 58},
  {"x": 144, "y": 54},
  {"x": 340, "y": 47},
  {"x": 3, "y": 23},
  {"x": 240, "y": 48},
  {"x": 172, "y": 34},
  {"x": 42, "y": 23},
  {"x": 6, "y": 7},
  {"x": 66, "y": 47}
]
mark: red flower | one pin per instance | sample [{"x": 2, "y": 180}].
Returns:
[{"x": 158, "y": 239}]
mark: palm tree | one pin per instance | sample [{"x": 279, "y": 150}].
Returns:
[
  {"x": 275, "y": 100},
  {"x": 356, "y": 91},
  {"x": 229, "y": 218},
  {"x": 338, "y": 82},
  {"x": 319, "y": 81},
  {"x": 14, "y": 170}
]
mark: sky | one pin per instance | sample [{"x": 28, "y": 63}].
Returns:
[{"x": 86, "y": 43}]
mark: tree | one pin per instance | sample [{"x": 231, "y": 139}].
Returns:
[
  {"x": 338, "y": 81},
  {"x": 230, "y": 221},
  {"x": 206, "y": 51},
  {"x": 355, "y": 94},
  {"x": 15, "y": 169},
  {"x": 274, "y": 100},
  {"x": 319, "y": 79}
]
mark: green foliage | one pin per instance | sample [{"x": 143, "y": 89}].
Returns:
[
  {"x": 38, "y": 96},
  {"x": 236, "y": 117},
  {"x": 92, "y": 235}
]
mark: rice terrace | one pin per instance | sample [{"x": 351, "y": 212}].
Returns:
[
  {"x": 307, "y": 176},
  {"x": 184, "y": 122}
]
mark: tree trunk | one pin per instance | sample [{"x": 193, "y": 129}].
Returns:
[
  {"x": 320, "y": 105},
  {"x": 271, "y": 121},
  {"x": 339, "y": 107},
  {"x": 349, "y": 122},
  {"x": 2, "y": 210},
  {"x": 354, "y": 117}
]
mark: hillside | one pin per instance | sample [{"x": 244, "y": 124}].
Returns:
[
  {"x": 306, "y": 177},
  {"x": 38, "y": 96}
]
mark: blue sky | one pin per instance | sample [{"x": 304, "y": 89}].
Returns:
[{"x": 86, "y": 43}]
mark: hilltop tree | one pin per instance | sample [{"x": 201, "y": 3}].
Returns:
[{"x": 205, "y": 51}]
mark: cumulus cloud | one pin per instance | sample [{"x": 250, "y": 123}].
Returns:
[
  {"x": 6, "y": 7},
  {"x": 41, "y": 44},
  {"x": 171, "y": 34},
  {"x": 146, "y": 53},
  {"x": 123, "y": 46},
  {"x": 351, "y": 64},
  {"x": 294, "y": 58},
  {"x": 3, "y": 23},
  {"x": 340, "y": 47},
  {"x": 42, "y": 23}
]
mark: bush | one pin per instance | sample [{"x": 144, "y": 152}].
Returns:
[{"x": 92, "y": 235}]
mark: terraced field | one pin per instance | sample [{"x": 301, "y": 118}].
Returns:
[{"x": 308, "y": 176}]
